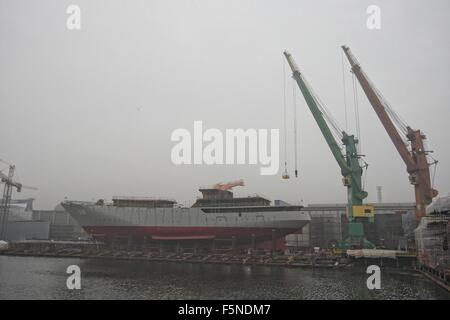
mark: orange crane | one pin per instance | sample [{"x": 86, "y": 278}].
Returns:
[
  {"x": 228, "y": 185},
  {"x": 412, "y": 151}
]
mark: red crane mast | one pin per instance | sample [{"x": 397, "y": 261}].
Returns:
[{"x": 414, "y": 156}]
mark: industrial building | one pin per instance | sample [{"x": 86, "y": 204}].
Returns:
[
  {"x": 24, "y": 223},
  {"x": 392, "y": 228},
  {"x": 20, "y": 224},
  {"x": 61, "y": 224}
]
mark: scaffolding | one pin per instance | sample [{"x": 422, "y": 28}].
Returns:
[{"x": 432, "y": 236}]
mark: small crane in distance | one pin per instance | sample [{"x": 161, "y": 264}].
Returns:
[{"x": 7, "y": 193}]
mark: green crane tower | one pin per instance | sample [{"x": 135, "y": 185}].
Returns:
[{"x": 349, "y": 163}]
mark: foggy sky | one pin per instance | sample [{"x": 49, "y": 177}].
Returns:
[{"x": 88, "y": 114}]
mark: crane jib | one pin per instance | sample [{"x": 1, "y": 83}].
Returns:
[
  {"x": 348, "y": 162},
  {"x": 415, "y": 160}
]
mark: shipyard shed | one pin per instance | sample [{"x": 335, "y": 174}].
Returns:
[
  {"x": 61, "y": 224},
  {"x": 21, "y": 226},
  {"x": 392, "y": 228},
  {"x": 27, "y": 230}
]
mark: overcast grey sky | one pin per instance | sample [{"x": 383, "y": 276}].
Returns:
[{"x": 88, "y": 114}]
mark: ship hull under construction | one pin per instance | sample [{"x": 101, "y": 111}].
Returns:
[{"x": 242, "y": 224}]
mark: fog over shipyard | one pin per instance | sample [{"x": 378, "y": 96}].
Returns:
[
  {"x": 224, "y": 150},
  {"x": 90, "y": 112}
]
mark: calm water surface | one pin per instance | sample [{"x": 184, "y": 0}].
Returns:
[{"x": 45, "y": 278}]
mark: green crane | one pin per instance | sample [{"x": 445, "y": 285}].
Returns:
[{"x": 349, "y": 162}]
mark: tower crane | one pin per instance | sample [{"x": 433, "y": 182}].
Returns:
[
  {"x": 412, "y": 151},
  {"x": 6, "y": 200},
  {"x": 348, "y": 160}
]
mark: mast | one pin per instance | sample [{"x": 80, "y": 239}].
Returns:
[
  {"x": 415, "y": 157},
  {"x": 351, "y": 169}
]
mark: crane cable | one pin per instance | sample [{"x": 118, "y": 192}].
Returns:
[
  {"x": 365, "y": 167},
  {"x": 336, "y": 130},
  {"x": 345, "y": 91},
  {"x": 434, "y": 163},
  {"x": 434, "y": 175},
  {"x": 294, "y": 98},
  {"x": 357, "y": 118},
  {"x": 285, "y": 175},
  {"x": 398, "y": 121},
  {"x": 400, "y": 124}
]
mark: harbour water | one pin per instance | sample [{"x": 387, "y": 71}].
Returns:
[{"x": 45, "y": 278}]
